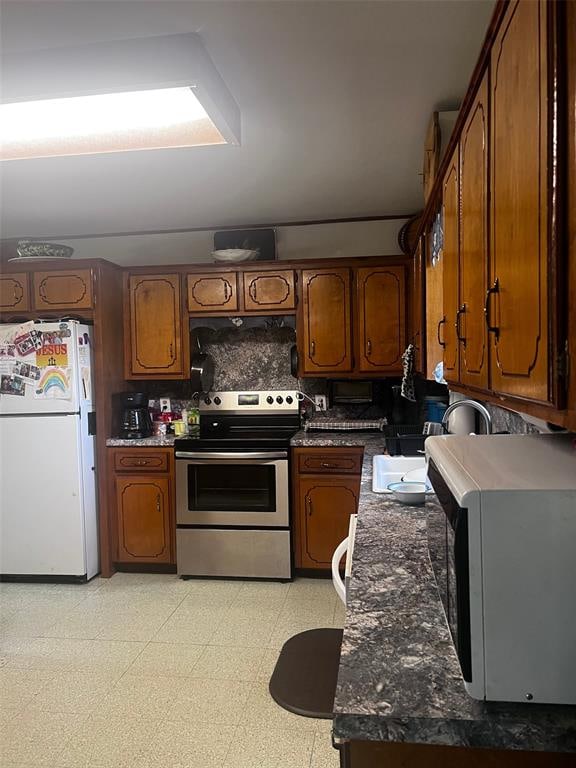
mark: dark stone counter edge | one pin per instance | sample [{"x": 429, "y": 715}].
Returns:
[{"x": 518, "y": 735}]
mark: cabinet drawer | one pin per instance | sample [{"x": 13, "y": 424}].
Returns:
[
  {"x": 341, "y": 462},
  {"x": 134, "y": 461}
]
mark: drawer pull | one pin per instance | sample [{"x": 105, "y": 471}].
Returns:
[{"x": 328, "y": 466}]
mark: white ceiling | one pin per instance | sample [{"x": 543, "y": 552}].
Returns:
[{"x": 335, "y": 99}]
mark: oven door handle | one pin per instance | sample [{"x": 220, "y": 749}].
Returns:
[{"x": 231, "y": 456}]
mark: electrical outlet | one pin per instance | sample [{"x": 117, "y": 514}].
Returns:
[
  {"x": 165, "y": 404},
  {"x": 320, "y": 402}
]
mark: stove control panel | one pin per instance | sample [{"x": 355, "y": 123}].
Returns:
[{"x": 272, "y": 401}]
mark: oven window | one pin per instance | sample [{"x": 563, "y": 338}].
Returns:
[{"x": 231, "y": 488}]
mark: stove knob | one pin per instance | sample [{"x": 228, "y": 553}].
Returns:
[
  {"x": 207, "y": 400},
  {"x": 279, "y": 400},
  {"x": 269, "y": 399},
  {"x": 289, "y": 400},
  {"x": 217, "y": 401}
]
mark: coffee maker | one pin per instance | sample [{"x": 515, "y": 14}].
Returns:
[{"x": 135, "y": 421}]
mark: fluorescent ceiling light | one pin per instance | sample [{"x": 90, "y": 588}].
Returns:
[
  {"x": 143, "y": 93},
  {"x": 167, "y": 117}
]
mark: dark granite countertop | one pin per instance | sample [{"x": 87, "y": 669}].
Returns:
[
  {"x": 164, "y": 441},
  {"x": 399, "y": 677},
  {"x": 319, "y": 439}
]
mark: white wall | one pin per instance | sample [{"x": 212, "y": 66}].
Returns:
[{"x": 315, "y": 241}]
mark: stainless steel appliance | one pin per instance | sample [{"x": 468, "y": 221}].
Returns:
[
  {"x": 233, "y": 489},
  {"x": 502, "y": 550}
]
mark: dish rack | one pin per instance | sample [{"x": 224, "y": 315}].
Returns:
[{"x": 353, "y": 425}]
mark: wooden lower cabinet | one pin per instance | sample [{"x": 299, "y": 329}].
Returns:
[
  {"x": 375, "y": 754},
  {"x": 142, "y": 511},
  {"x": 323, "y": 503}
]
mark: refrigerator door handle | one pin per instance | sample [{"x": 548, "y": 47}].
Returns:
[{"x": 91, "y": 422}]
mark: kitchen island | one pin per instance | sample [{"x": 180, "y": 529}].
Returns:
[{"x": 400, "y": 698}]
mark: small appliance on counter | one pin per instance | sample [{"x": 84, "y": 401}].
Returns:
[
  {"x": 502, "y": 549},
  {"x": 135, "y": 421}
]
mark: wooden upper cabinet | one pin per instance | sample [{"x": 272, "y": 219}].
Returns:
[
  {"x": 143, "y": 519},
  {"x": 435, "y": 319},
  {"x": 418, "y": 319},
  {"x": 269, "y": 290},
  {"x": 63, "y": 289},
  {"x": 154, "y": 348},
  {"x": 326, "y": 345},
  {"x": 519, "y": 207},
  {"x": 213, "y": 292},
  {"x": 380, "y": 295},
  {"x": 14, "y": 291},
  {"x": 474, "y": 241},
  {"x": 450, "y": 257}
]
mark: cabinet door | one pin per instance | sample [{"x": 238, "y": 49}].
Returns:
[
  {"x": 70, "y": 289},
  {"x": 143, "y": 509},
  {"x": 269, "y": 290},
  {"x": 325, "y": 320},
  {"x": 435, "y": 319},
  {"x": 213, "y": 292},
  {"x": 519, "y": 209},
  {"x": 325, "y": 506},
  {"x": 381, "y": 302},
  {"x": 450, "y": 257},
  {"x": 14, "y": 291},
  {"x": 474, "y": 242},
  {"x": 155, "y": 326},
  {"x": 418, "y": 320}
]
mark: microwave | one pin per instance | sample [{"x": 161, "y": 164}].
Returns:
[
  {"x": 351, "y": 392},
  {"x": 502, "y": 544}
]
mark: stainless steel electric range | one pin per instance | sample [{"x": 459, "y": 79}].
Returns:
[{"x": 233, "y": 488}]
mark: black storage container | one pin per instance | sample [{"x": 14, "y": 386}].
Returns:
[{"x": 404, "y": 439}]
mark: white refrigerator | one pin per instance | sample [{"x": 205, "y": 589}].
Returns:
[{"x": 48, "y": 514}]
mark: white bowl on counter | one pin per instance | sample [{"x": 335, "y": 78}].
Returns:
[{"x": 408, "y": 493}]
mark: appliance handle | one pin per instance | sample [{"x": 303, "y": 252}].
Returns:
[
  {"x": 336, "y": 578},
  {"x": 231, "y": 456}
]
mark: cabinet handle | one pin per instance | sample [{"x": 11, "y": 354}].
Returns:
[
  {"x": 369, "y": 345},
  {"x": 461, "y": 310},
  {"x": 253, "y": 290},
  {"x": 141, "y": 462},
  {"x": 158, "y": 503},
  {"x": 328, "y": 466},
  {"x": 309, "y": 505},
  {"x": 171, "y": 351},
  {"x": 491, "y": 328},
  {"x": 225, "y": 290},
  {"x": 440, "y": 322},
  {"x": 313, "y": 348}
]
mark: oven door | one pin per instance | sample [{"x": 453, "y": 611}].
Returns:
[{"x": 232, "y": 489}]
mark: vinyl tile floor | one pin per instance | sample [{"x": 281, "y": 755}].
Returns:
[{"x": 149, "y": 671}]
